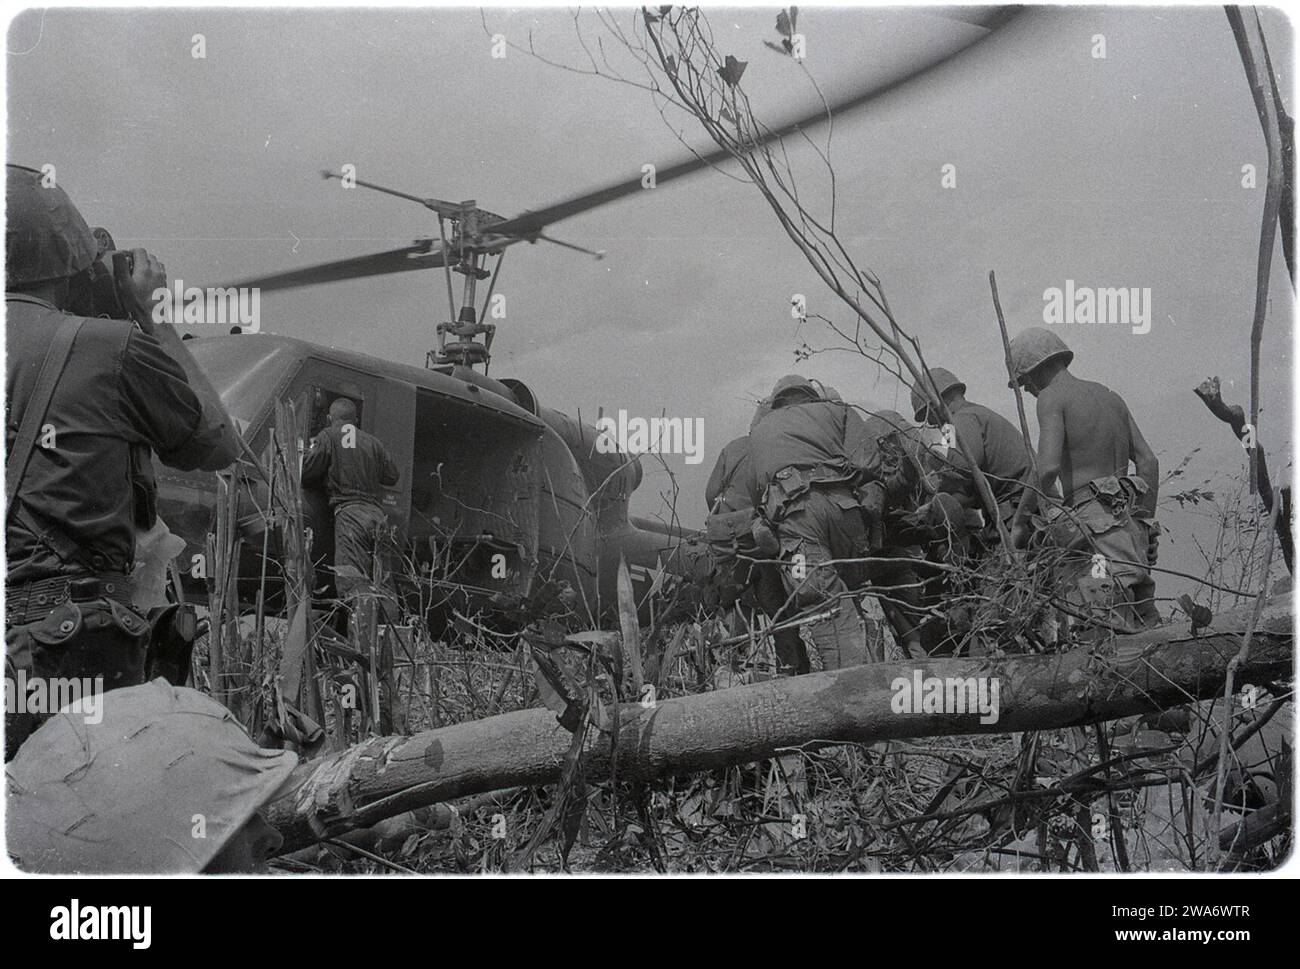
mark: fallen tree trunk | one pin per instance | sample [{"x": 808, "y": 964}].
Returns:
[{"x": 1140, "y": 673}]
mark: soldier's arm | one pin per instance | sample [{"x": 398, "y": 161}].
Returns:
[
  {"x": 1051, "y": 446},
  {"x": 1051, "y": 441},
  {"x": 389, "y": 472},
  {"x": 717, "y": 481},
  {"x": 215, "y": 436},
  {"x": 160, "y": 405},
  {"x": 317, "y": 463},
  {"x": 1148, "y": 465}
]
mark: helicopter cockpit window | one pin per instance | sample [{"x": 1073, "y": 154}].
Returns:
[{"x": 320, "y": 399}]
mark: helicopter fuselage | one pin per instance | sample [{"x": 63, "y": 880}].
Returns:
[{"x": 497, "y": 497}]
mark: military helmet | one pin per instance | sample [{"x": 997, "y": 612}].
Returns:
[
  {"x": 1033, "y": 347},
  {"x": 944, "y": 381},
  {"x": 791, "y": 384},
  {"x": 882, "y": 423},
  {"x": 893, "y": 418},
  {"x": 158, "y": 785},
  {"x": 46, "y": 239}
]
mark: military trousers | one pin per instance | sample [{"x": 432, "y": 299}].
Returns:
[
  {"x": 740, "y": 579},
  {"x": 824, "y": 526},
  {"x": 1102, "y": 572},
  {"x": 771, "y": 596},
  {"x": 358, "y": 529}
]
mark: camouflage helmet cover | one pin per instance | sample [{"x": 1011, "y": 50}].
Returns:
[
  {"x": 46, "y": 239},
  {"x": 159, "y": 785}
]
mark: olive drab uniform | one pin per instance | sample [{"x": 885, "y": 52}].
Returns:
[
  {"x": 810, "y": 459},
  {"x": 900, "y": 463},
  {"x": 353, "y": 466},
  {"x": 960, "y": 520},
  {"x": 999, "y": 451},
  {"x": 731, "y": 494},
  {"x": 88, "y": 490}
]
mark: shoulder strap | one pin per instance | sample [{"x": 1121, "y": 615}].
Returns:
[{"x": 56, "y": 358}]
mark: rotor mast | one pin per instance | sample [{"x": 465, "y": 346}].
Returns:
[{"x": 464, "y": 251}]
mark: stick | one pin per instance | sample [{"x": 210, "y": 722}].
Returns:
[
  {"x": 1234, "y": 664},
  {"x": 1250, "y": 45}
]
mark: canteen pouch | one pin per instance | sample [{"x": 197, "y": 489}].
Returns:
[{"x": 731, "y": 533}]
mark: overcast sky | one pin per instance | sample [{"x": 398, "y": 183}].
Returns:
[{"x": 1123, "y": 171}]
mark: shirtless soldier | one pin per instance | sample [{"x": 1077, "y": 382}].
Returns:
[{"x": 1087, "y": 437}]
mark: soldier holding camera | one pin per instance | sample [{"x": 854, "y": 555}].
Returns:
[{"x": 90, "y": 398}]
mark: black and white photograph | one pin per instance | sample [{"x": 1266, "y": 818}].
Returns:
[{"x": 656, "y": 441}]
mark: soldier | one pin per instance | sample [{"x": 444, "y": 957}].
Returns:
[
  {"x": 163, "y": 780},
  {"x": 353, "y": 467},
  {"x": 816, "y": 463},
  {"x": 998, "y": 448},
  {"x": 1087, "y": 437},
  {"x": 89, "y": 403},
  {"x": 731, "y": 494},
  {"x": 911, "y": 468}
]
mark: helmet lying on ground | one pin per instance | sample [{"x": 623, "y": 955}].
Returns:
[{"x": 159, "y": 785}]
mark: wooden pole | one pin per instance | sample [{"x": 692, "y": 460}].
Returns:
[
  {"x": 1249, "y": 35},
  {"x": 1011, "y": 373}
]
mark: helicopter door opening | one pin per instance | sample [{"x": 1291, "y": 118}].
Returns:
[
  {"x": 318, "y": 386},
  {"x": 474, "y": 497}
]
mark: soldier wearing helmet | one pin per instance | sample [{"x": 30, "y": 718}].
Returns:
[
  {"x": 731, "y": 495},
  {"x": 998, "y": 449},
  {"x": 163, "y": 780},
  {"x": 820, "y": 475},
  {"x": 1087, "y": 439},
  {"x": 104, "y": 396}
]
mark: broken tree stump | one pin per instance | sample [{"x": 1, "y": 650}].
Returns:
[
  {"x": 1235, "y": 418},
  {"x": 1151, "y": 670}
]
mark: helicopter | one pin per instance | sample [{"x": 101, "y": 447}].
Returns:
[{"x": 499, "y": 497}]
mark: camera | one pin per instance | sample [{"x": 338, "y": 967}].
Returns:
[{"x": 95, "y": 293}]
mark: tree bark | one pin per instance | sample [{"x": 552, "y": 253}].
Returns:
[{"x": 1150, "y": 670}]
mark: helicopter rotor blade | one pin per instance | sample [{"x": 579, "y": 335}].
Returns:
[
  {"x": 528, "y": 226},
  {"x": 448, "y": 209},
  {"x": 423, "y": 255},
  {"x": 530, "y": 223}
]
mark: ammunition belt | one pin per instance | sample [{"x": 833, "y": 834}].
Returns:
[
  {"x": 792, "y": 483},
  {"x": 33, "y": 601}
]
